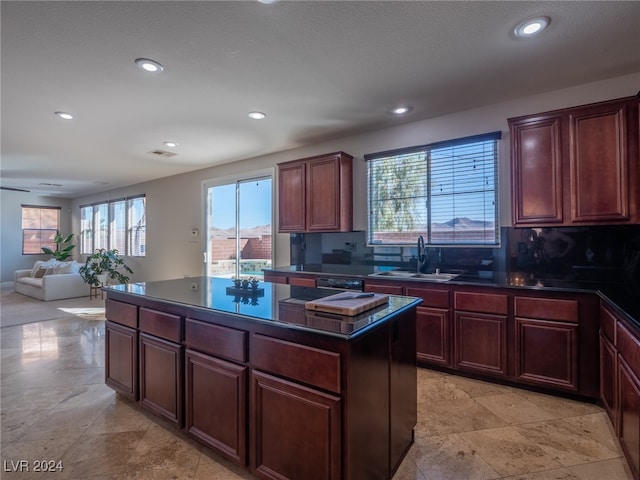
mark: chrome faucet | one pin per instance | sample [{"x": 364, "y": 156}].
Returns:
[{"x": 423, "y": 256}]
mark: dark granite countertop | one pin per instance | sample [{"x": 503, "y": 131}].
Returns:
[
  {"x": 621, "y": 290},
  {"x": 218, "y": 294}
]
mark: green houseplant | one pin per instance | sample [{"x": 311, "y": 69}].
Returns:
[
  {"x": 106, "y": 264},
  {"x": 63, "y": 247}
]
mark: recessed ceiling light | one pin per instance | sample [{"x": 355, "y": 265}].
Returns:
[
  {"x": 171, "y": 144},
  {"x": 65, "y": 115},
  {"x": 401, "y": 109},
  {"x": 268, "y": 2},
  {"x": 257, "y": 115},
  {"x": 148, "y": 65},
  {"x": 532, "y": 27}
]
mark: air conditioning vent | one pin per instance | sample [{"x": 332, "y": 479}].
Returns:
[{"x": 162, "y": 153}]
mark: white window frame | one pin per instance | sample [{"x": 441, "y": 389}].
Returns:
[{"x": 101, "y": 230}]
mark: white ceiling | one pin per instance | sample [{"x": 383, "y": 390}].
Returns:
[{"x": 319, "y": 69}]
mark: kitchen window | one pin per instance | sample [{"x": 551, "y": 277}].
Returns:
[
  {"x": 118, "y": 224},
  {"x": 444, "y": 191}
]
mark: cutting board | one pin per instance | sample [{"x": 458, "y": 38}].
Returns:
[{"x": 349, "y": 306}]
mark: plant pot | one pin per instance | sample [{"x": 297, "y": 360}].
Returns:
[{"x": 102, "y": 278}]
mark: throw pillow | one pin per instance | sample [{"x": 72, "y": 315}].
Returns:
[
  {"x": 36, "y": 267},
  {"x": 66, "y": 267},
  {"x": 60, "y": 267},
  {"x": 40, "y": 273}
]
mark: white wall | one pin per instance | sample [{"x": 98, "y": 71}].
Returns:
[{"x": 174, "y": 204}]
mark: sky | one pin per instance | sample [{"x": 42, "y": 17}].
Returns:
[{"x": 255, "y": 204}]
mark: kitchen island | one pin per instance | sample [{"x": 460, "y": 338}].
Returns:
[{"x": 254, "y": 375}]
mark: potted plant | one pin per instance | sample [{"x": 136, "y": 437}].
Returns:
[
  {"x": 103, "y": 264},
  {"x": 63, "y": 250}
]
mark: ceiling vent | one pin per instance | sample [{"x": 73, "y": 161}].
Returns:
[
  {"x": 162, "y": 153},
  {"x": 44, "y": 184}
]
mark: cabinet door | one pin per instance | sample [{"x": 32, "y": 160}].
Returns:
[
  {"x": 629, "y": 428},
  {"x": 433, "y": 336},
  {"x": 121, "y": 360},
  {"x": 546, "y": 353},
  {"x": 291, "y": 197},
  {"x": 216, "y": 405},
  {"x": 536, "y": 170},
  {"x": 608, "y": 384},
  {"x": 481, "y": 343},
  {"x": 297, "y": 430},
  {"x": 323, "y": 195},
  {"x": 161, "y": 378},
  {"x": 599, "y": 165}
]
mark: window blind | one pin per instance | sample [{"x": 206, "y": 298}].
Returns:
[
  {"x": 116, "y": 224},
  {"x": 445, "y": 191},
  {"x": 39, "y": 227}
]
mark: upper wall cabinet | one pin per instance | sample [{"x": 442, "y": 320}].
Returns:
[
  {"x": 316, "y": 194},
  {"x": 577, "y": 166}
]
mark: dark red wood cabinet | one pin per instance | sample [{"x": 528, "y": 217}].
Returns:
[
  {"x": 161, "y": 374},
  {"x": 281, "y": 402},
  {"x": 121, "y": 348},
  {"x": 434, "y": 328},
  {"x": 121, "y": 368},
  {"x": 296, "y": 430},
  {"x": 620, "y": 380},
  {"x": 481, "y": 343},
  {"x": 536, "y": 170},
  {"x": 161, "y": 360},
  {"x": 216, "y": 387},
  {"x": 547, "y": 342},
  {"x": 391, "y": 289},
  {"x": 576, "y": 166},
  {"x": 292, "y": 197},
  {"x": 628, "y": 392},
  {"x": 315, "y": 194},
  {"x": 216, "y": 404},
  {"x": 499, "y": 333},
  {"x": 608, "y": 364},
  {"x": 629, "y": 406}
]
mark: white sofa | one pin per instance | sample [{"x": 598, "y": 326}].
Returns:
[{"x": 51, "y": 280}]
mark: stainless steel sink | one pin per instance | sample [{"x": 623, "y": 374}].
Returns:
[{"x": 434, "y": 277}]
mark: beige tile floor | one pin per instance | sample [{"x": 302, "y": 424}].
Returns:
[{"x": 55, "y": 406}]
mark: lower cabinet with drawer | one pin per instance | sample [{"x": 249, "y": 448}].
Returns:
[
  {"x": 161, "y": 364},
  {"x": 481, "y": 333},
  {"x": 347, "y": 410},
  {"x": 295, "y": 400},
  {"x": 216, "y": 377},
  {"x": 434, "y": 327},
  {"x": 620, "y": 380},
  {"x": 280, "y": 402},
  {"x": 546, "y": 347},
  {"x": 121, "y": 348}
]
